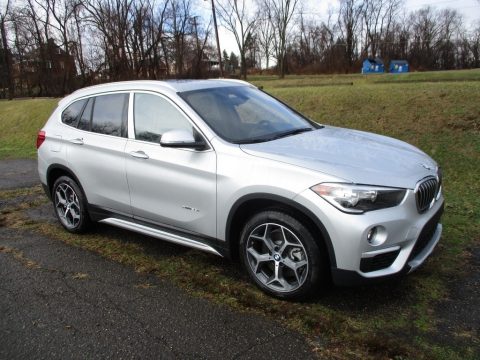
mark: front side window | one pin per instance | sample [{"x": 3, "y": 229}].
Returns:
[
  {"x": 109, "y": 114},
  {"x": 241, "y": 114},
  {"x": 72, "y": 112},
  {"x": 154, "y": 115}
]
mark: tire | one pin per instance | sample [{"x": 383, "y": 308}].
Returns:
[
  {"x": 70, "y": 205},
  {"x": 281, "y": 256}
]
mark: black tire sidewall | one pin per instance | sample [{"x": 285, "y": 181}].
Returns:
[
  {"x": 314, "y": 256},
  {"x": 84, "y": 222}
]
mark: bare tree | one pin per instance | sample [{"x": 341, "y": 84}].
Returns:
[
  {"x": 378, "y": 17},
  {"x": 280, "y": 13},
  {"x": 240, "y": 21},
  {"x": 474, "y": 46},
  {"x": 349, "y": 17},
  {"x": 77, "y": 42},
  {"x": 425, "y": 30},
  {"x": 450, "y": 23},
  {"x": 7, "y": 58},
  {"x": 180, "y": 28},
  {"x": 129, "y": 39},
  {"x": 111, "y": 19},
  {"x": 264, "y": 33},
  {"x": 35, "y": 22},
  {"x": 63, "y": 13},
  {"x": 201, "y": 39}
]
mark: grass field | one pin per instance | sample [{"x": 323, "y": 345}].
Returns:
[
  {"x": 438, "y": 112},
  {"x": 20, "y": 121}
]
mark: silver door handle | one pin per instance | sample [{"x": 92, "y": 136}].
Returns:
[
  {"x": 139, "y": 154},
  {"x": 77, "y": 141}
]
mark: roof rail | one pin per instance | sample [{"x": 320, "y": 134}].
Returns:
[{"x": 235, "y": 81}]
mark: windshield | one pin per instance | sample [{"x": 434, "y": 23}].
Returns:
[{"x": 241, "y": 114}]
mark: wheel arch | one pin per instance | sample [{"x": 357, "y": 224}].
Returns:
[
  {"x": 247, "y": 205},
  {"x": 54, "y": 171}
]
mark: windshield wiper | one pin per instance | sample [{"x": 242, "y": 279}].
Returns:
[
  {"x": 274, "y": 136},
  {"x": 289, "y": 133}
]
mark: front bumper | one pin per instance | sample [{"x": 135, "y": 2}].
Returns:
[
  {"x": 342, "y": 277},
  {"x": 410, "y": 238}
]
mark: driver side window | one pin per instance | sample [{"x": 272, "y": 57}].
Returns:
[{"x": 154, "y": 115}]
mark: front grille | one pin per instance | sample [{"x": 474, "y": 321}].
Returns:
[
  {"x": 425, "y": 193},
  {"x": 426, "y": 234},
  {"x": 378, "y": 262}
]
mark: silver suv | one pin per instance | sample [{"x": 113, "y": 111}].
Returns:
[{"x": 220, "y": 166}]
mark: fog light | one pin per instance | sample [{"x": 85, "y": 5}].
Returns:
[
  {"x": 376, "y": 235},
  {"x": 371, "y": 234}
]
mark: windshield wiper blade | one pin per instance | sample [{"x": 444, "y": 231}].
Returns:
[
  {"x": 289, "y": 133},
  {"x": 251, "y": 141},
  {"x": 274, "y": 136}
]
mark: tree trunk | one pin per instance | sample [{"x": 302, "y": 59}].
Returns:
[
  {"x": 7, "y": 60},
  {"x": 243, "y": 65}
]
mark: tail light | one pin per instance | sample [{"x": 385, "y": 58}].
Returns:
[{"x": 40, "y": 138}]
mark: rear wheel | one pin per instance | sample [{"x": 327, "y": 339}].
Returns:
[
  {"x": 70, "y": 205},
  {"x": 281, "y": 255}
]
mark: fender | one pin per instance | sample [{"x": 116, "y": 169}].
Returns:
[
  {"x": 290, "y": 204},
  {"x": 53, "y": 167}
]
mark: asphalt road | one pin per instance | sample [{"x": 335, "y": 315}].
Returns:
[
  {"x": 18, "y": 174},
  {"x": 61, "y": 302}
]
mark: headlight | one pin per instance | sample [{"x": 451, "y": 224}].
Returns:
[{"x": 359, "y": 198}]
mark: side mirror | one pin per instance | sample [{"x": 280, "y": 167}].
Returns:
[{"x": 181, "y": 139}]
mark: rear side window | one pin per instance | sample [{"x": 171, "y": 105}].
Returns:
[
  {"x": 71, "y": 114},
  {"x": 110, "y": 114},
  {"x": 84, "y": 122}
]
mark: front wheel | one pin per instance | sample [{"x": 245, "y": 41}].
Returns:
[{"x": 281, "y": 255}]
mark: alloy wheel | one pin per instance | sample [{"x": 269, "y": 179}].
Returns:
[
  {"x": 67, "y": 205},
  {"x": 277, "y": 257}
]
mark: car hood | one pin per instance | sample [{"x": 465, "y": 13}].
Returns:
[{"x": 355, "y": 156}]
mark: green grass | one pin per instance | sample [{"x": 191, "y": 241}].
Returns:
[
  {"x": 437, "y": 112},
  {"x": 20, "y": 121},
  {"x": 356, "y": 79}
]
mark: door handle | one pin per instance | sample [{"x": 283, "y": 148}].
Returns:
[
  {"x": 77, "y": 141},
  {"x": 139, "y": 154}
]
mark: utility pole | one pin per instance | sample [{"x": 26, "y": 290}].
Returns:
[
  {"x": 218, "y": 41},
  {"x": 199, "y": 50},
  {"x": 194, "y": 19}
]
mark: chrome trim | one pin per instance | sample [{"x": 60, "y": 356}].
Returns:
[
  {"x": 370, "y": 254},
  {"x": 160, "y": 234},
  {"x": 434, "y": 197}
]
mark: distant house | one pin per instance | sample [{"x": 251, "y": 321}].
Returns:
[
  {"x": 373, "y": 66},
  {"x": 399, "y": 66},
  {"x": 44, "y": 70}
]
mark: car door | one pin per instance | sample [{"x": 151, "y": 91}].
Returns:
[
  {"x": 175, "y": 187},
  {"x": 96, "y": 152}
]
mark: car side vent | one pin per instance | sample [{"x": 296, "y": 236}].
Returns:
[{"x": 425, "y": 193}]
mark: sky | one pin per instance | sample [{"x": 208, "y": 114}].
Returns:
[{"x": 318, "y": 9}]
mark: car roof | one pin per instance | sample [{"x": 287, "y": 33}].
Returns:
[{"x": 154, "y": 85}]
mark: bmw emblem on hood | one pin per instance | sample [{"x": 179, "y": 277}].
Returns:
[{"x": 426, "y": 166}]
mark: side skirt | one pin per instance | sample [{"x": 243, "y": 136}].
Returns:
[
  {"x": 160, "y": 234},
  {"x": 159, "y": 231}
]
